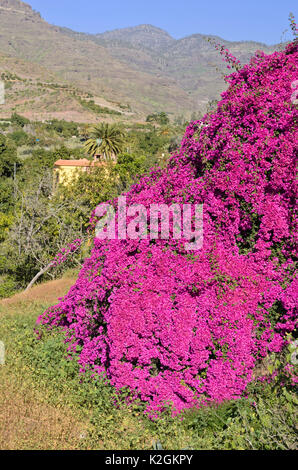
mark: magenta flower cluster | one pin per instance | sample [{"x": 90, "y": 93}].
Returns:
[
  {"x": 188, "y": 327},
  {"x": 227, "y": 56},
  {"x": 64, "y": 254}
]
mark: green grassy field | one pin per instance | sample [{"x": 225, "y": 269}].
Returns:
[{"x": 45, "y": 404}]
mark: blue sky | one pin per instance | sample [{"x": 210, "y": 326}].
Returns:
[{"x": 258, "y": 20}]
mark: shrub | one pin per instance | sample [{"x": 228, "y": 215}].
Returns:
[
  {"x": 64, "y": 128},
  {"x": 18, "y": 120},
  {"x": 21, "y": 138},
  {"x": 96, "y": 108},
  {"x": 160, "y": 118},
  {"x": 187, "y": 328},
  {"x": 7, "y": 286}
]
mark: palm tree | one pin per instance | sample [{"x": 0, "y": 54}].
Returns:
[{"x": 106, "y": 140}]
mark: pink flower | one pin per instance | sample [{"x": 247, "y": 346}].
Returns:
[{"x": 188, "y": 328}]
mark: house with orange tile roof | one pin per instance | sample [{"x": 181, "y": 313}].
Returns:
[{"x": 66, "y": 171}]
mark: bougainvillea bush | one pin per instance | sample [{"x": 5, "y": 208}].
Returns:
[{"x": 187, "y": 327}]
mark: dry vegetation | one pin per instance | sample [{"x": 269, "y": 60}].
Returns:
[
  {"x": 27, "y": 420},
  {"x": 40, "y": 294}
]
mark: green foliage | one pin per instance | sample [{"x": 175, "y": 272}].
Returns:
[
  {"x": 42, "y": 225},
  {"x": 6, "y": 195},
  {"x": 262, "y": 422},
  {"x": 149, "y": 143},
  {"x": 106, "y": 140},
  {"x": 144, "y": 145},
  {"x": 8, "y": 157},
  {"x": 21, "y": 138},
  {"x": 63, "y": 128},
  {"x": 247, "y": 237},
  {"x": 65, "y": 153},
  {"x": 96, "y": 108},
  {"x": 7, "y": 286},
  {"x": 42, "y": 160},
  {"x": 265, "y": 420},
  {"x": 105, "y": 182},
  {"x": 89, "y": 190},
  {"x": 9, "y": 76},
  {"x": 276, "y": 312},
  {"x": 18, "y": 120}
]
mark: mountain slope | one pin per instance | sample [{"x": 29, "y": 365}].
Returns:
[
  {"x": 36, "y": 93},
  {"x": 191, "y": 62}
]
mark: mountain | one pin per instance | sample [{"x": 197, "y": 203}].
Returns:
[
  {"x": 24, "y": 34},
  {"x": 36, "y": 93},
  {"x": 141, "y": 67},
  {"x": 143, "y": 36},
  {"x": 192, "y": 62}
]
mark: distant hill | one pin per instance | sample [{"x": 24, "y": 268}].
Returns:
[
  {"x": 141, "y": 67},
  {"x": 190, "y": 61},
  {"x": 38, "y": 94}
]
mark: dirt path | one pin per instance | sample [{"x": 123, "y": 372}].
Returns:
[{"x": 48, "y": 292}]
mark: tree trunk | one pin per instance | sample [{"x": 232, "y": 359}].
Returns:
[{"x": 40, "y": 273}]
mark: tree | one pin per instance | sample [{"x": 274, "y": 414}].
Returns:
[
  {"x": 151, "y": 142},
  {"x": 160, "y": 118},
  {"x": 89, "y": 189},
  {"x": 43, "y": 225},
  {"x": 174, "y": 143},
  {"x": 64, "y": 128},
  {"x": 20, "y": 137},
  {"x": 8, "y": 157},
  {"x": 106, "y": 140},
  {"x": 127, "y": 168},
  {"x": 104, "y": 182},
  {"x": 84, "y": 133}
]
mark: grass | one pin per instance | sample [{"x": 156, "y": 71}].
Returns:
[
  {"x": 45, "y": 404},
  {"x": 28, "y": 419}
]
